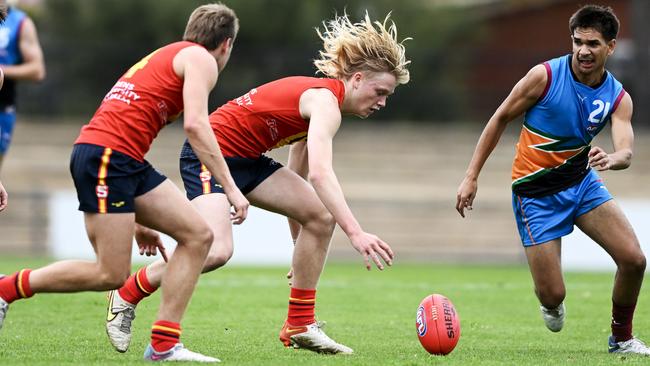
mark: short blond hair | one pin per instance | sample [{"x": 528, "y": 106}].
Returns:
[
  {"x": 362, "y": 46},
  {"x": 211, "y": 24}
]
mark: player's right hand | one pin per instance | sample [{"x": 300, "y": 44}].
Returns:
[
  {"x": 240, "y": 206},
  {"x": 372, "y": 248},
  {"x": 465, "y": 195},
  {"x": 599, "y": 159},
  {"x": 149, "y": 242}
]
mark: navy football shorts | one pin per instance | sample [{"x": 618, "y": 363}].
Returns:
[
  {"x": 247, "y": 173},
  {"x": 108, "y": 181}
]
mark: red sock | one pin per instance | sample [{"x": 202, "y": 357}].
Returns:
[
  {"x": 136, "y": 287},
  {"x": 302, "y": 304},
  {"x": 164, "y": 335},
  {"x": 16, "y": 286},
  {"x": 622, "y": 322}
]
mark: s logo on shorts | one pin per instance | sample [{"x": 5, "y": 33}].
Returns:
[
  {"x": 101, "y": 191},
  {"x": 205, "y": 176}
]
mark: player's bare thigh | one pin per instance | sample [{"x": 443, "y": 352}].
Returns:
[
  {"x": 111, "y": 236},
  {"x": 288, "y": 194},
  {"x": 608, "y": 226},
  {"x": 167, "y": 210},
  {"x": 215, "y": 209},
  {"x": 545, "y": 259}
]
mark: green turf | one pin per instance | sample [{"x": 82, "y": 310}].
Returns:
[{"x": 236, "y": 314}]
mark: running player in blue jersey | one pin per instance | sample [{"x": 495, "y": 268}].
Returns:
[
  {"x": 566, "y": 102},
  {"x": 21, "y": 58}
]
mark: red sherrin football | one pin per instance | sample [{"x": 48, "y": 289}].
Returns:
[{"x": 437, "y": 324}]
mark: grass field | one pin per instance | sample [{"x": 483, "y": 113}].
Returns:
[{"x": 236, "y": 314}]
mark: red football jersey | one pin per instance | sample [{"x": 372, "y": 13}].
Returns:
[
  {"x": 267, "y": 117},
  {"x": 145, "y": 99}
]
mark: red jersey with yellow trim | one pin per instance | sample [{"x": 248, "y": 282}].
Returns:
[
  {"x": 145, "y": 99},
  {"x": 267, "y": 117}
]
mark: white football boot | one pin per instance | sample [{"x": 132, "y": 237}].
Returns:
[
  {"x": 633, "y": 345},
  {"x": 177, "y": 353},
  {"x": 311, "y": 337},
  {"x": 553, "y": 318},
  {"x": 4, "y": 307},
  {"x": 118, "y": 321}
]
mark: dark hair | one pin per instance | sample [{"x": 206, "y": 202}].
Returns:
[
  {"x": 3, "y": 13},
  {"x": 600, "y": 18}
]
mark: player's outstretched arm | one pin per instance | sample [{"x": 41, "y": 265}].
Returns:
[
  {"x": 3, "y": 197},
  {"x": 199, "y": 71},
  {"x": 523, "y": 96},
  {"x": 321, "y": 107},
  {"x": 33, "y": 66},
  {"x": 622, "y": 139}
]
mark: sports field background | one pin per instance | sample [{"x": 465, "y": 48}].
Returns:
[
  {"x": 400, "y": 179},
  {"x": 399, "y": 176}
]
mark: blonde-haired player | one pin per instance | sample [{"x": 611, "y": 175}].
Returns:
[
  {"x": 364, "y": 63},
  {"x": 365, "y": 46}
]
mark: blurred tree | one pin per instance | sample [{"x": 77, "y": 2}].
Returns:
[{"x": 641, "y": 67}]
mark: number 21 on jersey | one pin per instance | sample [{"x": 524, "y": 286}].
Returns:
[{"x": 600, "y": 107}]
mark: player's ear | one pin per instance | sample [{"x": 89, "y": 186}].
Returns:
[
  {"x": 226, "y": 45},
  {"x": 611, "y": 45},
  {"x": 357, "y": 77}
]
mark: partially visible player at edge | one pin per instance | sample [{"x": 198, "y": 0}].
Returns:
[
  {"x": 21, "y": 59},
  {"x": 117, "y": 187},
  {"x": 364, "y": 62},
  {"x": 566, "y": 102},
  {"x": 3, "y": 192}
]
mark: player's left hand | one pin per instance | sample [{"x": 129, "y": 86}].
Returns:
[
  {"x": 149, "y": 242},
  {"x": 599, "y": 159}
]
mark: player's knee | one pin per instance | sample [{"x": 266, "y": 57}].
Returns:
[
  {"x": 634, "y": 263},
  {"x": 112, "y": 280},
  {"x": 322, "y": 222},
  {"x": 216, "y": 260},
  {"x": 202, "y": 238},
  {"x": 642, "y": 262},
  {"x": 207, "y": 237}
]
